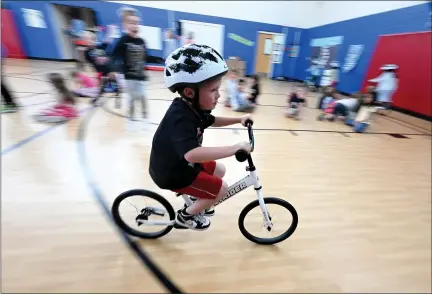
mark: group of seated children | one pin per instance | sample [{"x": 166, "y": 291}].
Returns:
[
  {"x": 239, "y": 96},
  {"x": 356, "y": 111}
]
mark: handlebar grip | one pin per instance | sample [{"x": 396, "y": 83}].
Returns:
[{"x": 241, "y": 155}]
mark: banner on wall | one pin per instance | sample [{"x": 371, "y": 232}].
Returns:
[
  {"x": 352, "y": 57},
  {"x": 293, "y": 51},
  {"x": 240, "y": 39},
  {"x": 429, "y": 20},
  {"x": 34, "y": 18},
  {"x": 278, "y": 48},
  {"x": 324, "y": 51}
]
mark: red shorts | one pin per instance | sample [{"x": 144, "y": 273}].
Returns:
[{"x": 206, "y": 185}]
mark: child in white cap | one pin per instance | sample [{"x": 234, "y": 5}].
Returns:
[{"x": 387, "y": 84}]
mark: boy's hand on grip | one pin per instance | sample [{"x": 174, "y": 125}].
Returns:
[
  {"x": 243, "y": 146},
  {"x": 245, "y": 118}
]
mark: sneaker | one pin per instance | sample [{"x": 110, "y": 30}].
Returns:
[
  {"x": 207, "y": 212},
  {"x": 194, "y": 222}
]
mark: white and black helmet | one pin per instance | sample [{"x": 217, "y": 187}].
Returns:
[{"x": 192, "y": 64}]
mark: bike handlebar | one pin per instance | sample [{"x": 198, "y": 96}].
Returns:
[{"x": 242, "y": 155}]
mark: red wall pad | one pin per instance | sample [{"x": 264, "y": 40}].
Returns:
[
  {"x": 412, "y": 53},
  {"x": 10, "y": 37}
]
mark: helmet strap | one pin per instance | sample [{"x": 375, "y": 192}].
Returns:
[{"x": 194, "y": 101}]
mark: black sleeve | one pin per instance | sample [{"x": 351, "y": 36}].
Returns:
[
  {"x": 208, "y": 120},
  {"x": 184, "y": 137},
  {"x": 118, "y": 51}
]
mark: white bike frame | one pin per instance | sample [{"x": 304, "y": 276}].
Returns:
[
  {"x": 249, "y": 180},
  {"x": 244, "y": 183}
]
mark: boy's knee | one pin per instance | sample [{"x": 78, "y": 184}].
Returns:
[
  {"x": 219, "y": 170},
  {"x": 223, "y": 190}
]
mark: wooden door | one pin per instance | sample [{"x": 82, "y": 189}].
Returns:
[{"x": 263, "y": 55}]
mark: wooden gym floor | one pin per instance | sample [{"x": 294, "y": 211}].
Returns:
[{"x": 364, "y": 202}]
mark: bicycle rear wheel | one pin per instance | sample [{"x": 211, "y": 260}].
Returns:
[
  {"x": 281, "y": 204},
  {"x": 143, "y": 214}
]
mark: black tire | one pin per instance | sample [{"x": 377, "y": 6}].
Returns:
[
  {"x": 271, "y": 241},
  {"x": 145, "y": 193}
]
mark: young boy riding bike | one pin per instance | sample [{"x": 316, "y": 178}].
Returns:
[{"x": 178, "y": 162}]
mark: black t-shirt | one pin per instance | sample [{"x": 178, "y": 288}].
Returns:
[
  {"x": 92, "y": 53},
  {"x": 132, "y": 52},
  {"x": 295, "y": 100},
  {"x": 180, "y": 131}
]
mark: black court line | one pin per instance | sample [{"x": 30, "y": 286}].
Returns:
[
  {"x": 101, "y": 200},
  {"x": 405, "y": 123},
  {"x": 27, "y": 78},
  {"x": 27, "y": 96},
  {"x": 39, "y": 72},
  {"x": 318, "y": 131},
  {"x": 31, "y": 92},
  {"x": 37, "y": 103},
  {"x": 34, "y": 66},
  {"x": 344, "y": 133},
  {"x": 397, "y": 135}
]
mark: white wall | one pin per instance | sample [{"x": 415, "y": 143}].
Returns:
[
  {"x": 285, "y": 13},
  {"x": 327, "y": 12},
  {"x": 300, "y": 14}
]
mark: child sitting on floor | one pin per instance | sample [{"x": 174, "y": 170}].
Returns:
[
  {"x": 326, "y": 97},
  {"x": 327, "y": 104},
  {"x": 231, "y": 87},
  {"x": 239, "y": 102},
  {"x": 347, "y": 107},
  {"x": 255, "y": 90},
  {"x": 296, "y": 102},
  {"x": 362, "y": 119},
  {"x": 87, "y": 86},
  {"x": 65, "y": 109}
]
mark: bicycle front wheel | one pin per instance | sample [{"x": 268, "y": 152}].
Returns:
[{"x": 282, "y": 214}]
